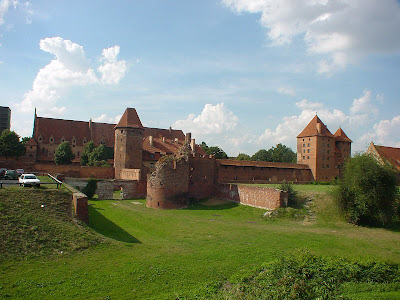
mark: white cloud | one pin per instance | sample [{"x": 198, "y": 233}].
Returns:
[
  {"x": 4, "y": 7},
  {"x": 112, "y": 70},
  {"x": 69, "y": 69},
  {"x": 103, "y": 118},
  {"x": 214, "y": 119},
  {"x": 340, "y": 31}
]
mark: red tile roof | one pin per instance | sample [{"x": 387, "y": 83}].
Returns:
[
  {"x": 391, "y": 154},
  {"x": 312, "y": 129},
  {"x": 260, "y": 164},
  {"x": 130, "y": 118},
  {"x": 341, "y": 136}
]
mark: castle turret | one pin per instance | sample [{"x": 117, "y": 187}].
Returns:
[
  {"x": 316, "y": 148},
  {"x": 128, "y": 144},
  {"x": 342, "y": 148}
]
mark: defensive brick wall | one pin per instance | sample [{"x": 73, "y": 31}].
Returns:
[
  {"x": 202, "y": 176},
  {"x": 262, "y": 174},
  {"x": 261, "y": 197},
  {"x": 168, "y": 185},
  {"x": 76, "y": 170}
]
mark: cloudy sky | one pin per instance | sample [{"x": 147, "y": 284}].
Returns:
[{"x": 240, "y": 74}]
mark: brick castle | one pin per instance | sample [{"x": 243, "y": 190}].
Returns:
[{"x": 174, "y": 167}]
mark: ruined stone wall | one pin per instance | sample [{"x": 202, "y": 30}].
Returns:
[
  {"x": 168, "y": 185},
  {"x": 202, "y": 176},
  {"x": 261, "y": 197},
  {"x": 105, "y": 190},
  {"x": 131, "y": 189},
  {"x": 80, "y": 204},
  {"x": 248, "y": 174}
]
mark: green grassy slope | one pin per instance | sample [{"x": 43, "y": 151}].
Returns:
[
  {"x": 38, "y": 222},
  {"x": 164, "y": 254}
]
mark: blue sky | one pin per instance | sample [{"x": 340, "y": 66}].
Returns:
[{"x": 240, "y": 74}]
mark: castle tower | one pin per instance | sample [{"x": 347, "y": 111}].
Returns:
[
  {"x": 316, "y": 148},
  {"x": 128, "y": 144},
  {"x": 343, "y": 148}
]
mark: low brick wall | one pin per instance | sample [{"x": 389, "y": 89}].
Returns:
[
  {"x": 81, "y": 209},
  {"x": 105, "y": 190},
  {"x": 261, "y": 197}
]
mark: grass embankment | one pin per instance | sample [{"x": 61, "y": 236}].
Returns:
[
  {"x": 166, "y": 254},
  {"x": 38, "y": 221}
]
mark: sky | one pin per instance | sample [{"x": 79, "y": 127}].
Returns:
[{"x": 243, "y": 75}]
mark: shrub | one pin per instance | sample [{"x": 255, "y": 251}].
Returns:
[
  {"x": 292, "y": 194},
  {"x": 367, "y": 192},
  {"x": 90, "y": 189},
  {"x": 306, "y": 276}
]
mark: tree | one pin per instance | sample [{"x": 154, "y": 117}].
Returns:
[
  {"x": 98, "y": 156},
  {"x": 243, "y": 156},
  {"x": 284, "y": 154},
  {"x": 214, "y": 150},
  {"x": 10, "y": 144},
  {"x": 64, "y": 154},
  {"x": 86, "y": 151},
  {"x": 262, "y": 155},
  {"x": 367, "y": 192},
  {"x": 280, "y": 153}
]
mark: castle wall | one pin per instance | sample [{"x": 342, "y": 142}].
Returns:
[
  {"x": 168, "y": 186},
  {"x": 202, "y": 176},
  {"x": 75, "y": 170},
  {"x": 231, "y": 174},
  {"x": 261, "y": 197}
]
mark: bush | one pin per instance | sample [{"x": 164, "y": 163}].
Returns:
[
  {"x": 306, "y": 276},
  {"x": 292, "y": 194},
  {"x": 90, "y": 189},
  {"x": 367, "y": 192}
]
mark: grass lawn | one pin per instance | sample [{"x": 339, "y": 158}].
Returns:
[{"x": 166, "y": 254}]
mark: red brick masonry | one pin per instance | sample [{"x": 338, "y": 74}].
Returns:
[{"x": 261, "y": 197}]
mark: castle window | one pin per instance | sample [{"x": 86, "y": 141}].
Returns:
[
  {"x": 122, "y": 131},
  {"x": 304, "y": 157},
  {"x": 328, "y": 145},
  {"x": 328, "y": 151},
  {"x": 323, "y": 166},
  {"x": 78, "y": 154},
  {"x": 30, "y": 147},
  {"x": 308, "y": 150},
  {"x": 151, "y": 155},
  {"x": 327, "y": 166},
  {"x": 323, "y": 144},
  {"x": 323, "y": 150},
  {"x": 308, "y": 145},
  {"x": 304, "y": 150},
  {"x": 303, "y": 140},
  {"x": 304, "y": 144},
  {"x": 151, "y": 165},
  {"x": 323, "y": 157},
  {"x": 327, "y": 158},
  {"x": 308, "y": 157}
]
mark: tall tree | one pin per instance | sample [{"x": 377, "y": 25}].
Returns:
[
  {"x": 262, "y": 155},
  {"x": 214, "y": 150},
  {"x": 243, "y": 156},
  {"x": 64, "y": 154},
  {"x": 86, "y": 151},
  {"x": 280, "y": 153},
  {"x": 10, "y": 144}
]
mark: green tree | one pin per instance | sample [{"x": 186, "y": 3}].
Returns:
[
  {"x": 214, "y": 150},
  {"x": 86, "y": 151},
  {"x": 98, "y": 156},
  {"x": 282, "y": 153},
  {"x": 367, "y": 192},
  {"x": 64, "y": 154},
  {"x": 243, "y": 156},
  {"x": 10, "y": 144},
  {"x": 262, "y": 155}
]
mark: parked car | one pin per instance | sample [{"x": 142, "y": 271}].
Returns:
[
  {"x": 20, "y": 172},
  {"x": 2, "y": 172},
  {"x": 11, "y": 175},
  {"x": 29, "y": 180}
]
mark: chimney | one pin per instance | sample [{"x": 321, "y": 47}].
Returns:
[
  {"x": 91, "y": 129},
  {"x": 319, "y": 128},
  {"x": 188, "y": 138},
  {"x": 193, "y": 145},
  {"x": 151, "y": 140}
]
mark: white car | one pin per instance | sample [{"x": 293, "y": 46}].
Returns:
[{"x": 29, "y": 180}]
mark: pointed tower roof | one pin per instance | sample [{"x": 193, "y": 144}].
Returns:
[
  {"x": 341, "y": 136},
  {"x": 130, "y": 119},
  {"x": 315, "y": 128}
]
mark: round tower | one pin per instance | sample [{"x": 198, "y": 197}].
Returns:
[{"x": 128, "y": 143}]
